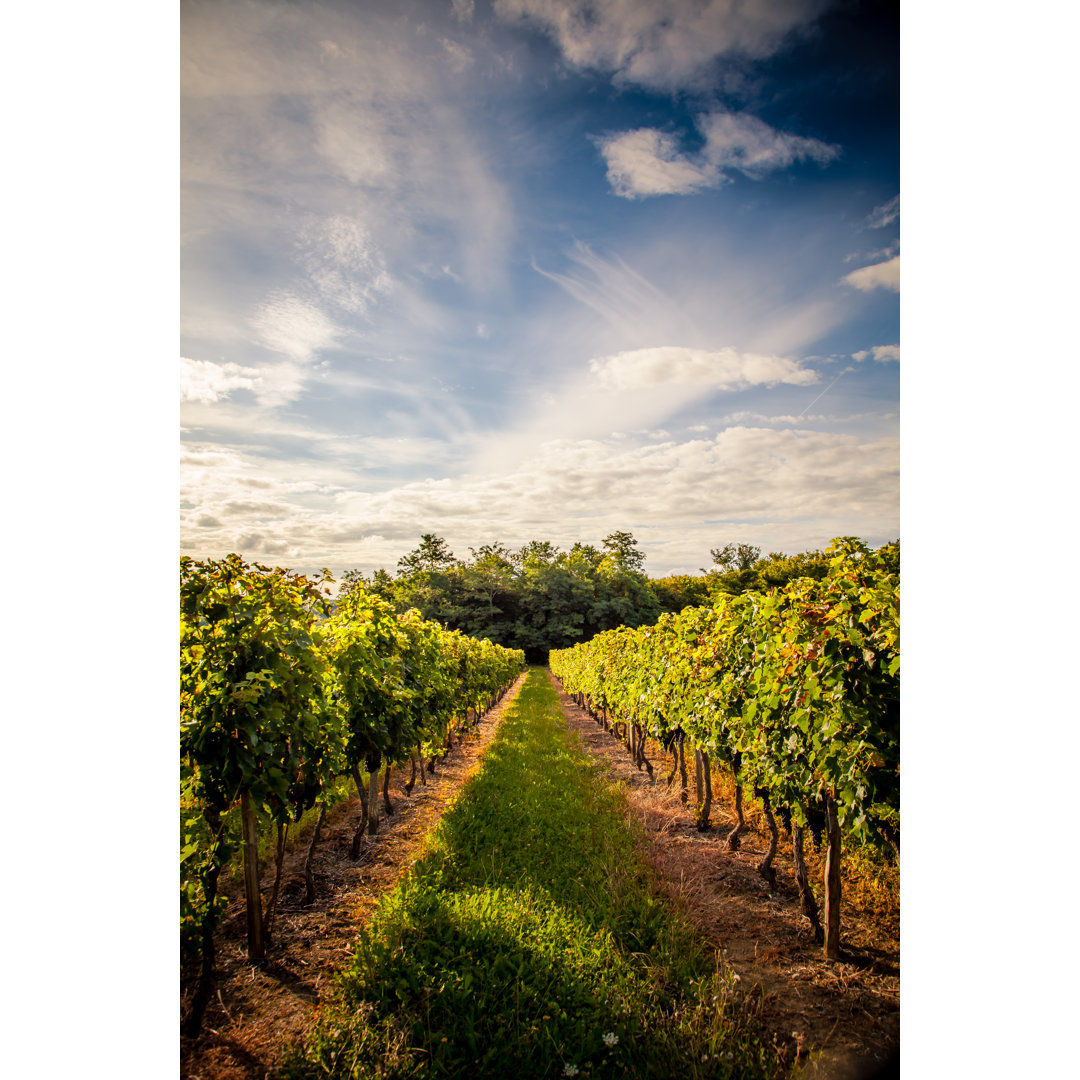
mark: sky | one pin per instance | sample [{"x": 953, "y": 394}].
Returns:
[{"x": 538, "y": 269}]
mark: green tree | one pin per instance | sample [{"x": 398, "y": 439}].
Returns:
[
  {"x": 431, "y": 555},
  {"x": 382, "y": 584},
  {"x": 622, "y": 550},
  {"x": 584, "y": 558},
  {"x": 735, "y": 557},
  {"x": 488, "y": 592},
  {"x": 777, "y": 569},
  {"x": 428, "y": 581},
  {"x": 536, "y": 553},
  {"x": 551, "y": 610},
  {"x": 681, "y": 591}
]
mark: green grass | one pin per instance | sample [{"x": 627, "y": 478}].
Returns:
[{"x": 529, "y": 930}]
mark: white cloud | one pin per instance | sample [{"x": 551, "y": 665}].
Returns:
[
  {"x": 633, "y": 390},
  {"x": 205, "y": 381},
  {"x": 263, "y": 509},
  {"x": 293, "y": 327},
  {"x": 885, "y": 214},
  {"x": 662, "y": 43},
  {"x": 648, "y": 162},
  {"x": 882, "y": 353},
  {"x": 885, "y": 275},
  {"x": 745, "y": 142},
  {"x": 723, "y": 369},
  {"x": 258, "y": 543}
]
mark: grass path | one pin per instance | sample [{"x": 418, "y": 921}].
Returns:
[{"x": 529, "y": 940}]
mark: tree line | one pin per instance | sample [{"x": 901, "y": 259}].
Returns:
[{"x": 538, "y": 598}]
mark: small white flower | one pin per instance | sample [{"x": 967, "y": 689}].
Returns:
[
  {"x": 570, "y": 1070},
  {"x": 610, "y": 1039},
  {"x": 704, "y": 1058}
]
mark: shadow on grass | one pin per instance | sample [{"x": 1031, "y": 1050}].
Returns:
[{"x": 528, "y": 941}]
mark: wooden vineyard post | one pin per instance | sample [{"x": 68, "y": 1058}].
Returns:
[
  {"x": 251, "y": 879},
  {"x": 806, "y": 894},
  {"x": 733, "y": 841},
  {"x": 682, "y": 767},
  {"x": 386, "y": 790},
  {"x": 704, "y": 788},
  {"x": 309, "y": 876},
  {"x": 361, "y": 827},
  {"x": 373, "y": 796},
  {"x": 832, "y": 881}
]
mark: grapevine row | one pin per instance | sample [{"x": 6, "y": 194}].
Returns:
[
  {"x": 797, "y": 690},
  {"x": 282, "y": 699}
]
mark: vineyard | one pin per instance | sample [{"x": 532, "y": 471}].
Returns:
[
  {"x": 797, "y": 691},
  {"x": 532, "y": 931},
  {"x": 282, "y": 703}
]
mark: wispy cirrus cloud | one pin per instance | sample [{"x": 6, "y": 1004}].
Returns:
[
  {"x": 706, "y": 299},
  {"x": 662, "y": 44},
  {"x": 648, "y": 162},
  {"x": 884, "y": 215},
  {"x": 348, "y": 140},
  {"x": 621, "y": 295},
  {"x": 343, "y": 263},
  {"x": 883, "y": 275},
  {"x": 881, "y": 254}
]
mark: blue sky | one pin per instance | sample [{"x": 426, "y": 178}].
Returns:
[{"x": 538, "y": 269}]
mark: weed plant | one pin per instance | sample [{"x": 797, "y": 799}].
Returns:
[{"x": 529, "y": 940}]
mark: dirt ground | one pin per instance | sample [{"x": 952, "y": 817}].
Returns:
[
  {"x": 848, "y": 1011},
  {"x": 839, "y": 1020}
]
